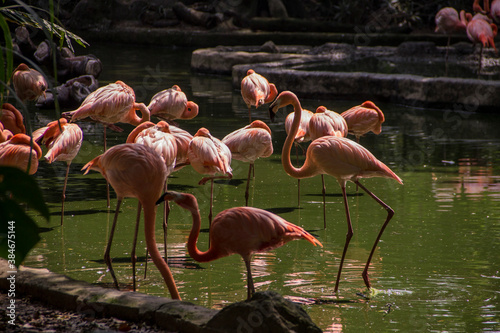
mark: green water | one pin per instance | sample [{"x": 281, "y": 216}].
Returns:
[{"x": 435, "y": 269}]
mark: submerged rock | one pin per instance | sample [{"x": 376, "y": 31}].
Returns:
[{"x": 265, "y": 312}]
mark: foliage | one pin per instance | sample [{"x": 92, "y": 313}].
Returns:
[{"x": 19, "y": 232}]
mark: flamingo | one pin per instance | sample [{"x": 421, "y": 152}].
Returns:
[
  {"x": 364, "y": 118},
  {"x": 12, "y": 119},
  {"x": 20, "y": 151},
  {"x": 208, "y": 156},
  {"x": 113, "y": 103},
  {"x": 172, "y": 103},
  {"x": 301, "y": 136},
  {"x": 341, "y": 158},
  {"x": 479, "y": 31},
  {"x": 326, "y": 122},
  {"x": 158, "y": 137},
  {"x": 136, "y": 170},
  {"x": 238, "y": 230},
  {"x": 494, "y": 10},
  {"x": 28, "y": 83},
  {"x": 249, "y": 143},
  {"x": 256, "y": 90},
  {"x": 448, "y": 22},
  {"x": 63, "y": 141}
]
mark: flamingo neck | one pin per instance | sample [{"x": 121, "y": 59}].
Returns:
[
  {"x": 193, "y": 250},
  {"x": 307, "y": 170},
  {"x": 149, "y": 231}
]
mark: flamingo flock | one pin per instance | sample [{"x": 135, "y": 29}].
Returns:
[
  {"x": 479, "y": 27},
  {"x": 140, "y": 167}
]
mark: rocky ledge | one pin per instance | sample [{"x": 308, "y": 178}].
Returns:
[{"x": 265, "y": 312}]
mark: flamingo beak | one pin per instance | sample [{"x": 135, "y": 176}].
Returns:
[
  {"x": 272, "y": 113},
  {"x": 168, "y": 196}
]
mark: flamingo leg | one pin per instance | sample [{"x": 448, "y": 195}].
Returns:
[
  {"x": 248, "y": 183},
  {"x": 134, "y": 244},
  {"x": 446, "y": 56},
  {"x": 211, "y": 204},
  {"x": 166, "y": 213},
  {"x": 107, "y": 257},
  {"x": 390, "y": 213},
  {"x": 250, "y": 286},
  {"x": 480, "y": 60},
  {"x": 347, "y": 238},
  {"x": 63, "y": 197},
  {"x": 298, "y": 180},
  {"x": 324, "y": 200},
  {"x": 107, "y": 183}
]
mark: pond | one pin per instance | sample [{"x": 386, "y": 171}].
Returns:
[{"x": 437, "y": 267}]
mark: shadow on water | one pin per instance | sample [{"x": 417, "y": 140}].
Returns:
[{"x": 177, "y": 262}]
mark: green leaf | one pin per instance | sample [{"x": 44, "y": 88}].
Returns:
[
  {"x": 23, "y": 188},
  {"x": 18, "y": 233},
  {"x": 7, "y": 61}
]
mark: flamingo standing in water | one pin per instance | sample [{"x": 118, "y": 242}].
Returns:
[
  {"x": 238, "y": 230},
  {"x": 301, "y": 136},
  {"x": 113, "y": 103},
  {"x": 171, "y": 104},
  {"x": 256, "y": 90},
  {"x": 326, "y": 122},
  {"x": 480, "y": 31},
  {"x": 20, "y": 151},
  {"x": 341, "y": 158},
  {"x": 364, "y": 118},
  {"x": 136, "y": 170},
  {"x": 209, "y": 156},
  {"x": 28, "y": 83},
  {"x": 12, "y": 119},
  {"x": 448, "y": 22},
  {"x": 158, "y": 137},
  {"x": 249, "y": 143},
  {"x": 63, "y": 141}
]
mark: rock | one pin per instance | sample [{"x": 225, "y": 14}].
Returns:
[
  {"x": 417, "y": 49},
  {"x": 269, "y": 47},
  {"x": 265, "y": 312},
  {"x": 71, "y": 94}
]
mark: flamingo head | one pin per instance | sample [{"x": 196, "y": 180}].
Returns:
[
  {"x": 284, "y": 98},
  {"x": 185, "y": 200}
]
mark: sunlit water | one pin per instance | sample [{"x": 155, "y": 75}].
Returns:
[{"x": 435, "y": 269}]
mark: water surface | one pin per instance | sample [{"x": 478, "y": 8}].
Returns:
[{"x": 435, "y": 269}]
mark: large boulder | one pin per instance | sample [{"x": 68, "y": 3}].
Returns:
[{"x": 265, "y": 312}]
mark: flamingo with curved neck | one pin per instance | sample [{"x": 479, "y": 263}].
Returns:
[
  {"x": 238, "y": 230},
  {"x": 341, "y": 158}
]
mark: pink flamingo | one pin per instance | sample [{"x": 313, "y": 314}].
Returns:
[
  {"x": 249, "y": 143},
  {"x": 171, "y": 104},
  {"x": 256, "y": 90},
  {"x": 481, "y": 32},
  {"x": 448, "y": 22},
  {"x": 158, "y": 137},
  {"x": 238, "y": 230},
  {"x": 12, "y": 119},
  {"x": 28, "y": 83},
  {"x": 20, "y": 151},
  {"x": 113, "y": 103},
  {"x": 63, "y": 141},
  {"x": 364, "y": 118},
  {"x": 209, "y": 156},
  {"x": 136, "y": 170},
  {"x": 322, "y": 123},
  {"x": 341, "y": 158}
]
